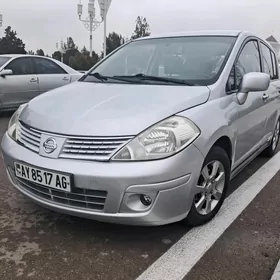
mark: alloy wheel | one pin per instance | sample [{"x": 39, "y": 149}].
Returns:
[
  {"x": 211, "y": 185},
  {"x": 276, "y": 136}
]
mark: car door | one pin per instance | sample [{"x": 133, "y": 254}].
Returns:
[
  {"x": 251, "y": 118},
  {"x": 22, "y": 85},
  {"x": 50, "y": 74},
  {"x": 272, "y": 98}
]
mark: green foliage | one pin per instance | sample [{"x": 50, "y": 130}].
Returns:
[
  {"x": 113, "y": 41},
  {"x": 71, "y": 50},
  {"x": 142, "y": 28},
  {"x": 82, "y": 61},
  {"x": 31, "y": 52},
  {"x": 40, "y": 52},
  {"x": 57, "y": 55},
  {"x": 11, "y": 44}
]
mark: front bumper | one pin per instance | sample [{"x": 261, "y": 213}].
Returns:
[{"x": 170, "y": 182}]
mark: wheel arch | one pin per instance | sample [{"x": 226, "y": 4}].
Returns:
[{"x": 224, "y": 142}]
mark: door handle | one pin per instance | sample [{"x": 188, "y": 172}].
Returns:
[
  {"x": 265, "y": 97},
  {"x": 65, "y": 79},
  {"x": 33, "y": 80},
  {"x": 278, "y": 89}
]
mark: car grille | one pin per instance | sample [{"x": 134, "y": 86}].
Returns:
[
  {"x": 75, "y": 147},
  {"x": 29, "y": 137},
  {"x": 78, "y": 198},
  {"x": 92, "y": 148}
]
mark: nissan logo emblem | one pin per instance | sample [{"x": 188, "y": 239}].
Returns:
[{"x": 49, "y": 145}]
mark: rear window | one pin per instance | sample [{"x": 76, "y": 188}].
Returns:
[{"x": 3, "y": 60}]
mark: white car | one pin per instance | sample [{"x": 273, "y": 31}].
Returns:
[{"x": 22, "y": 77}]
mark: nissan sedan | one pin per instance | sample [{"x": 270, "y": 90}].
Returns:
[
  {"x": 23, "y": 77},
  {"x": 153, "y": 133}
]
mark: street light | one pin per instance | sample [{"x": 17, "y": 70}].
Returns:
[
  {"x": 90, "y": 23},
  {"x": 104, "y": 8},
  {"x": 62, "y": 49},
  {"x": 1, "y": 20}
]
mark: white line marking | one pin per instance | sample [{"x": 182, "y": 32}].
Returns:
[
  {"x": 276, "y": 274},
  {"x": 182, "y": 256}
]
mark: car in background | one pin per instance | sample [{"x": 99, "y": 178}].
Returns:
[
  {"x": 153, "y": 133},
  {"x": 22, "y": 77}
]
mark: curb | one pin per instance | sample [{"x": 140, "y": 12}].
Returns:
[{"x": 276, "y": 273}]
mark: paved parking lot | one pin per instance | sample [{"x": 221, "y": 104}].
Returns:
[{"x": 36, "y": 243}]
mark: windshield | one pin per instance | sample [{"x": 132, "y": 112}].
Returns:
[
  {"x": 3, "y": 60},
  {"x": 198, "y": 60}
]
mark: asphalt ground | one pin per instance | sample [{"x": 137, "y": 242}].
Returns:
[
  {"x": 36, "y": 243},
  {"x": 250, "y": 247}
]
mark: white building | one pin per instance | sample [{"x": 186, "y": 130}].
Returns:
[{"x": 275, "y": 44}]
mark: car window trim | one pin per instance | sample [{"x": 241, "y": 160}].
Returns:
[
  {"x": 261, "y": 42},
  {"x": 244, "y": 43},
  {"x": 275, "y": 74},
  {"x": 35, "y": 65},
  {"x": 21, "y": 58},
  {"x": 272, "y": 51}
]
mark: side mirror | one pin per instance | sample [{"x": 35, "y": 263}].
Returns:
[
  {"x": 6, "y": 72},
  {"x": 254, "y": 81}
]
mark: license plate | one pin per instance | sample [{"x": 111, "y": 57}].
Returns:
[{"x": 43, "y": 177}]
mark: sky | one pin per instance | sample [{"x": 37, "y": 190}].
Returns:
[{"x": 42, "y": 23}]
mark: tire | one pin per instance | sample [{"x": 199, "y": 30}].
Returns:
[
  {"x": 198, "y": 215},
  {"x": 270, "y": 151}
]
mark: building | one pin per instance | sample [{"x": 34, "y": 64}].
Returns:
[{"x": 275, "y": 44}]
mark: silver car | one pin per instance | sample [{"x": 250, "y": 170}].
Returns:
[
  {"x": 22, "y": 77},
  {"x": 153, "y": 134}
]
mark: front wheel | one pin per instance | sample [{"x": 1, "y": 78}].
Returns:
[
  {"x": 211, "y": 188},
  {"x": 270, "y": 151}
]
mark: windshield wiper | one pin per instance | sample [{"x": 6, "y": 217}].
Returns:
[
  {"x": 156, "y": 78},
  {"x": 105, "y": 78}
]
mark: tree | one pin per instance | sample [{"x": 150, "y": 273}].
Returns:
[
  {"x": 70, "y": 45},
  {"x": 40, "y": 52},
  {"x": 11, "y": 44},
  {"x": 84, "y": 51},
  {"x": 71, "y": 50},
  {"x": 31, "y": 52},
  {"x": 113, "y": 41},
  {"x": 82, "y": 61},
  {"x": 142, "y": 28},
  {"x": 57, "y": 55}
]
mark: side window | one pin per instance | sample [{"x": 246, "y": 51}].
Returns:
[
  {"x": 248, "y": 61},
  {"x": 267, "y": 61},
  {"x": 46, "y": 66},
  {"x": 21, "y": 66},
  {"x": 275, "y": 65}
]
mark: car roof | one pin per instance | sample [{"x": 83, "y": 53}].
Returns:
[
  {"x": 234, "y": 33},
  {"x": 21, "y": 55}
]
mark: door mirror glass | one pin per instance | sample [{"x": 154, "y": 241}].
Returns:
[
  {"x": 6, "y": 72},
  {"x": 255, "y": 81}
]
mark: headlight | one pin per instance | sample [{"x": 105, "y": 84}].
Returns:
[
  {"x": 161, "y": 140},
  {"x": 12, "y": 126}
]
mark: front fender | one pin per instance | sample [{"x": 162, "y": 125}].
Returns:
[{"x": 216, "y": 119}]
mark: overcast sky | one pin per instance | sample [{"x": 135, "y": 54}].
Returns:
[{"x": 41, "y": 23}]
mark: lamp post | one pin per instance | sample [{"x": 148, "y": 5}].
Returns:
[
  {"x": 1, "y": 20},
  {"x": 61, "y": 49},
  {"x": 104, "y": 8},
  {"x": 90, "y": 23}
]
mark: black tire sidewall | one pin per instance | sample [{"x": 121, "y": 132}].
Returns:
[
  {"x": 269, "y": 151},
  {"x": 219, "y": 154}
]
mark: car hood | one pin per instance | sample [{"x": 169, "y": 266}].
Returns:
[{"x": 102, "y": 109}]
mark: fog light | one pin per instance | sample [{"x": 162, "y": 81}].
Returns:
[{"x": 146, "y": 200}]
